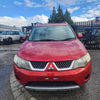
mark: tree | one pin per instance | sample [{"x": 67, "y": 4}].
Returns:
[
  {"x": 68, "y": 17},
  {"x": 52, "y": 18},
  {"x": 69, "y": 20},
  {"x": 59, "y": 15}
]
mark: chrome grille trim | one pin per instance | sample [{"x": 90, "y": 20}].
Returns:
[
  {"x": 63, "y": 64},
  {"x": 68, "y": 68},
  {"x": 36, "y": 69},
  {"x": 59, "y": 69}
]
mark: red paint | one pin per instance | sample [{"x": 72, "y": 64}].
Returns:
[
  {"x": 77, "y": 75},
  {"x": 52, "y": 51}
]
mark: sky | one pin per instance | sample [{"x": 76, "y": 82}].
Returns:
[{"x": 24, "y": 12}]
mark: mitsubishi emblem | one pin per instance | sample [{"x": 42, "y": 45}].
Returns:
[{"x": 51, "y": 67}]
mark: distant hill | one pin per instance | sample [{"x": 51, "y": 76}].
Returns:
[{"x": 6, "y": 27}]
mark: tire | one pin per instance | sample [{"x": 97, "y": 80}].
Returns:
[
  {"x": 10, "y": 41},
  {"x": 21, "y": 40}
]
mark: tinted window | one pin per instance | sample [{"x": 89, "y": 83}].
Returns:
[
  {"x": 56, "y": 33},
  {"x": 17, "y": 33},
  {"x": 9, "y": 33},
  {"x": 4, "y": 33}
]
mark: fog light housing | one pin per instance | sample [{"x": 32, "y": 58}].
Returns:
[
  {"x": 17, "y": 77},
  {"x": 87, "y": 76}
]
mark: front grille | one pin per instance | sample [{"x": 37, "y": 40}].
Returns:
[
  {"x": 63, "y": 64},
  {"x": 38, "y": 65},
  {"x": 51, "y": 83}
]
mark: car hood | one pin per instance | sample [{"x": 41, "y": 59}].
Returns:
[{"x": 52, "y": 51}]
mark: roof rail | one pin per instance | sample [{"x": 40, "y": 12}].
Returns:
[{"x": 37, "y": 23}]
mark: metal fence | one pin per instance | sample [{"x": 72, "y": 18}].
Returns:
[{"x": 90, "y": 44}]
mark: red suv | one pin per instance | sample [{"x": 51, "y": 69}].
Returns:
[{"x": 52, "y": 59}]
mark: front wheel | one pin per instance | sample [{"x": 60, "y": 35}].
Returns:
[
  {"x": 21, "y": 40},
  {"x": 9, "y": 41}
]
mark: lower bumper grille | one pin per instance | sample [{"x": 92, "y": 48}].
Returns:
[{"x": 51, "y": 83}]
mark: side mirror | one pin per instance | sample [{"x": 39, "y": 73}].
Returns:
[{"x": 80, "y": 35}]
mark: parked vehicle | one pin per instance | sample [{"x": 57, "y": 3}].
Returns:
[
  {"x": 53, "y": 58},
  {"x": 92, "y": 38},
  {"x": 8, "y": 37},
  {"x": 0, "y": 32}
]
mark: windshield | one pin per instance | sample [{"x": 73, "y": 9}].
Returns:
[{"x": 51, "y": 33}]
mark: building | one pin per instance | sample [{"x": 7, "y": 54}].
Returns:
[
  {"x": 86, "y": 25},
  {"x": 7, "y": 28}
]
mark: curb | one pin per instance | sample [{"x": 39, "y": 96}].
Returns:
[{"x": 18, "y": 91}]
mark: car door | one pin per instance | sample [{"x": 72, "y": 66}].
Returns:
[
  {"x": 10, "y": 35},
  {"x": 13, "y": 35},
  {"x": 17, "y": 35}
]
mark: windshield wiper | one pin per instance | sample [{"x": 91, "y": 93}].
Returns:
[
  {"x": 54, "y": 40},
  {"x": 68, "y": 39},
  {"x": 47, "y": 40}
]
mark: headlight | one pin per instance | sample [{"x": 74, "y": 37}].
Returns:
[
  {"x": 81, "y": 62},
  {"x": 21, "y": 63}
]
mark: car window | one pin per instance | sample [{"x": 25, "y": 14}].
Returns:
[
  {"x": 13, "y": 33},
  {"x": 17, "y": 33},
  {"x": 9, "y": 33},
  {"x": 22, "y": 33},
  {"x": 56, "y": 33},
  {"x": 4, "y": 33}
]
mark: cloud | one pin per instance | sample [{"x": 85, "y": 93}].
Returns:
[
  {"x": 17, "y": 3},
  {"x": 67, "y": 2},
  {"x": 29, "y": 3},
  {"x": 17, "y": 21},
  {"x": 72, "y": 10},
  {"x": 91, "y": 0},
  {"x": 93, "y": 12},
  {"x": 50, "y": 3},
  {"x": 32, "y": 4},
  {"x": 21, "y": 21},
  {"x": 38, "y": 18},
  {"x": 80, "y": 19}
]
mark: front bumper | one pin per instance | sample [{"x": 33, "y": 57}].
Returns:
[
  {"x": 52, "y": 88},
  {"x": 3, "y": 40},
  {"x": 79, "y": 76}
]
